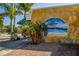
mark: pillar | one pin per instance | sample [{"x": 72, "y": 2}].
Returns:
[{"x": 72, "y": 26}]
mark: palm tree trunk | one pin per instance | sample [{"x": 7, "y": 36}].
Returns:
[
  {"x": 25, "y": 15},
  {"x": 14, "y": 19},
  {"x": 11, "y": 28},
  {"x": 14, "y": 24}
]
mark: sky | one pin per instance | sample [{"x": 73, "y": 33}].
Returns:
[
  {"x": 43, "y": 5},
  {"x": 6, "y": 19},
  {"x": 35, "y": 6}
]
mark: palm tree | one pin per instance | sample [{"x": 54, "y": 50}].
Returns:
[
  {"x": 35, "y": 31},
  {"x": 25, "y": 7},
  {"x": 16, "y": 12},
  {"x": 9, "y": 9},
  {"x": 1, "y": 19},
  {"x": 11, "y": 12}
]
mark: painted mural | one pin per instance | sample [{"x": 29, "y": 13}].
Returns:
[{"x": 56, "y": 26}]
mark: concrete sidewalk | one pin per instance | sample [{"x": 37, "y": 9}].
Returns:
[
  {"x": 8, "y": 46},
  {"x": 45, "y": 49},
  {"x": 21, "y": 52}
]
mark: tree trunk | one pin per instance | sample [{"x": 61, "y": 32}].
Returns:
[
  {"x": 14, "y": 24},
  {"x": 11, "y": 28},
  {"x": 35, "y": 37},
  {"x": 25, "y": 15},
  {"x": 24, "y": 19}
]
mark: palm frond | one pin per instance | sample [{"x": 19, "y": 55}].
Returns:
[
  {"x": 19, "y": 12},
  {"x": 4, "y": 14},
  {"x": 25, "y": 6}
]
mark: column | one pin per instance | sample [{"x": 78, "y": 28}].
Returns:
[{"x": 72, "y": 28}]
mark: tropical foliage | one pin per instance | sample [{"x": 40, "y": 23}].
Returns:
[
  {"x": 11, "y": 10},
  {"x": 24, "y": 7},
  {"x": 35, "y": 30}
]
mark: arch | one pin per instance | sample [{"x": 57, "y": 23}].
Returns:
[
  {"x": 52, "y": 25},
  {"x": 56, "y": 18}
]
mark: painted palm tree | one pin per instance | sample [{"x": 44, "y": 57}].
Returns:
[{"x": 25, "y": 7}]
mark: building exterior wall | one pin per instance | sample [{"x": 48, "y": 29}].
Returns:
[
  {"x": 70, "y": 14},
  {"x": 28, "y": 15}
]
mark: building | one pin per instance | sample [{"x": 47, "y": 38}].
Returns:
[{"x": 68, "y": 13}]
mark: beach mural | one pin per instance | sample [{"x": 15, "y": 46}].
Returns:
[{"x": 56, "y": 26}]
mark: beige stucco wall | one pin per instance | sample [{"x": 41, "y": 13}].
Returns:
[{"x": 70, "y": 14}]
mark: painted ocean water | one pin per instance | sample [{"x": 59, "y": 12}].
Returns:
[{"x": 57, "y": 32}]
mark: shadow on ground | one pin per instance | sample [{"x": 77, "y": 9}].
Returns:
[
  {"x": 56, "y": 49},
  {"x": 9, "y": 44}
]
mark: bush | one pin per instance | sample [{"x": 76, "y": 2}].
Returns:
[{"x": 35, "y": 30}]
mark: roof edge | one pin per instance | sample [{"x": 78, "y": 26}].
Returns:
[{"x": 55, "y": 6}]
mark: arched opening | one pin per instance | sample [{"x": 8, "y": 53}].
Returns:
[{"x": 56, "y": 27}]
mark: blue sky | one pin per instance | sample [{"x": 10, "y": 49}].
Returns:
[
  {"x": 6, "y": 19},
  {"x": 35, "y": 6},
  {"x": 42, "y": 5}
]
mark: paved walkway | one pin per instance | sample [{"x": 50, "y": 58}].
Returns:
[
  {"x": 23, "y": 48},
  {"x": 20, "y": 52},
  {"x": 52, "y": 49},
  {"x": 8, "y": 46}
]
